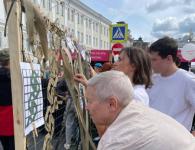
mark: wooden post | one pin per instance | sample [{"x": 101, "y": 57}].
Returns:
[{"x": 15, "y": 44}]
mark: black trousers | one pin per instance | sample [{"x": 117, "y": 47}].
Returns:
[{"x": 7, "y": 142}]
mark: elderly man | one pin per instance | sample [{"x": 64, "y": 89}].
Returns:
[{"x": 130, "y": 124}]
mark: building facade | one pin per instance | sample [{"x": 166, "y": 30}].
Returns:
[
  {"x": 140, "y": 43},
  {"x": 90, "y": 28}
]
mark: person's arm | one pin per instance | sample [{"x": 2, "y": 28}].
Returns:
[
  {"x": 81, "y": 79},
  {"x": 92, "y": 71}
]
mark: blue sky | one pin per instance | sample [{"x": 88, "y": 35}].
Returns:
[{"x": 150, "y": 19}]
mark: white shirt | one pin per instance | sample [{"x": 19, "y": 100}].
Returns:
[
  {"x": 140, "y": 94},
  {"x": 175, "y": 96},
  {"x": 139, "y": 127}
]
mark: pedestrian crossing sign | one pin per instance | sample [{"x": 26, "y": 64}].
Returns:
[{"x": 118, "y": 33}]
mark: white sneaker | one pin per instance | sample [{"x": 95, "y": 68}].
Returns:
[{"x": 67, "y": 146}]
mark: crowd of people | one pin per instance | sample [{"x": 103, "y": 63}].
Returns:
[
  {"x": 164, "y": 118},
  {"x": 143, "y": 101}
]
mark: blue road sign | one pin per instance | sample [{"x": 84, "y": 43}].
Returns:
[{"x": 119, "y": 33}]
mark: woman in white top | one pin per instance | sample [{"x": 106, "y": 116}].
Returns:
[{"x": 136, "y": 64}]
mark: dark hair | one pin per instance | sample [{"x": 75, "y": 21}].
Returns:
[
  {"x": 4, "y": 63},
  {"x": 164, "y": 47},
  {"x": 141, "y": 60},
  {"x": 4, "y": 57}
]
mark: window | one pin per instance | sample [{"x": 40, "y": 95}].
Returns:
[
  {"x": 104, "y": 44},
  {"x": 100, "y": 43},
  {"x": 82, "y": 20},
  {"x": 81, "y": 37},
  {"x": 49, "y": 5},
  {"x": 96, "y": 42},
  {"x": 96, "y": 27},
  {"x": 86, "y": 39},
  {"x": 78, "y": 36},
  {"x": 89, "y": 39},
  {"x": 72, "y": 15},
  {"x": 93, "y": 41},
  {"x": 89, "y": 24},
  {"x": 86, "y": 23},
  {"x": 78, "y": 19},
  {"x": 68, "y": 14},
  {"x": 57, "y": 8},
  {"x": 93, "y": 26},
  {"x": 62, "y": 11},
  {"x": 100, "y": 29}
]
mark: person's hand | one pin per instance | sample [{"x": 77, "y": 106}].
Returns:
[
  {"x": 81, "y": 79},
  {"x": 92, "y": 71}
]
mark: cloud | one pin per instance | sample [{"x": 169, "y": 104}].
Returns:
[
  {"x": 165, "y": 27},
  {"x": 188, "y": 2},
  {"x": 173, "y": 27},
  {"x": 187, "y": 24},
  {"x": 168, "y": 24},
  {"x": 157, "y": 6},
  {"x": 160, "y": 34},
  {"x": 188, "y": 10},
  {"x": 160, "y": 5}
]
